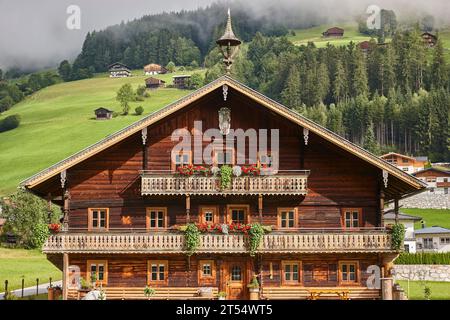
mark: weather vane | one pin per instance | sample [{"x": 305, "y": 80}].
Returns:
[{"x": 228, "y": 44}]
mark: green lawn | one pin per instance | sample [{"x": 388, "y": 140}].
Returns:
[
  {"x": 303, "y": 36},
  {"x": 432, "y": 217},
  {"x": 30, "y": 264},
  {"x": 58, "y": 121},
  {"x": 439, "y": 290}
]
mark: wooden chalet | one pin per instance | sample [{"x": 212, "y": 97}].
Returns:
[
  {"x": 153, "y": 69},
  {"x": 103, "y": 114},
  {"x": 434, "y": 177},
  {"x": 334, "y": 32},
  {"x": 119, "y": 70},
  {"x": 126, "y": 207},
  {"x": 181, "y": 81},
  {"x": 154, "y": 83},
  {"x": 405, "y": 163},
  {"x": 123, "y": 203},
  {"x": 429, "y": 39}
]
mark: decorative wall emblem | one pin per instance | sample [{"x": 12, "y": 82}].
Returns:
[
  {"x": 225, "y": 92},
  {"x": 385, "y": 178},
  {"x": 224, "y": 120}
]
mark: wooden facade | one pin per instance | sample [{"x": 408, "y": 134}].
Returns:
[{"x": 325, "y": 209}]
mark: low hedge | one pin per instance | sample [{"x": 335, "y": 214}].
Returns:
[{"x": 423, "y": 258}]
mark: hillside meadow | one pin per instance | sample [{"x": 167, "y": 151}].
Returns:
[{"x": 59, "y": 121}]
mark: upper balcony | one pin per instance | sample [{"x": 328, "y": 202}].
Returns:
[
  {"x": 325, "y": 241},
  {"x": 284, "y": 183}
]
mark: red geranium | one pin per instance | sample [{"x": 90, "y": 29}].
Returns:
[{"x": 54, "y": 227}]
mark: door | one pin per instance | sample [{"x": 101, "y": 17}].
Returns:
[{"x": 235, "y": 278}]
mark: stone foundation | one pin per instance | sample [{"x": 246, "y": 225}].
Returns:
[{"x": 417, "y": 272}]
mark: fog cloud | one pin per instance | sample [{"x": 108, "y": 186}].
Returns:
[{"x": 33, "y": 34}]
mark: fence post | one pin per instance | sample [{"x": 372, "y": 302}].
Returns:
[
  {"x": 6, "y": 289},
  {"x": 23, "y": 285},
  {"x": 37, "y": 286},
  {"x": 50, "y": 280}
]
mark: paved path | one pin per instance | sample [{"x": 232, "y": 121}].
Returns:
[{"x": 31, "y": 291}]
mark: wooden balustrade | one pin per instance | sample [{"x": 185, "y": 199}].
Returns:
[
  {"x": 287, "y": 184},
  {"x": 378, "y": 241}
]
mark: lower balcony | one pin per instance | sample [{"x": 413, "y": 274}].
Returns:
[{"x": 306, "y": 242}]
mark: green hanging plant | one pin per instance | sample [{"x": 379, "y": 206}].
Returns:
[
  {"x": 192, "y": 237},
  {"x": 255, "y": 233},
  {"x": 398, "y": 235},
  {"x": 226, "y": 173}
]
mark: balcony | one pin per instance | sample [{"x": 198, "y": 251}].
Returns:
[
  {"x": 285, "y": 183},
  {"x": 308, "y": 242}
]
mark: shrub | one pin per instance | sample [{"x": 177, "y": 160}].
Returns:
[
  {"x": 140, "y": 90},
  {"x": 9, "y": 123},
  {"x": 398, "y": 234},
  {"x": 424, "y": 258},
  {"x": 139, "y": 110},
  {"x": 115, "y": 114},
  {"x": 40, "y": 233}
]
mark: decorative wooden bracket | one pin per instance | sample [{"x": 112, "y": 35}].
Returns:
[
  {"x": 385, "y": 178},
  {"x": 225, "y": 92},
  {"x": 306, "y": 135},
  {"x": 63, "y": 178},
  {"x": 144, "y": 136}
]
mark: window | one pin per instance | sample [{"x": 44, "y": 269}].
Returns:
[
  {"x": 290, "y": 272},
  {"x": 236, "y": 273},
  {"x": 206, "y": 270},
  {"x": 223, "y": 156},
  {"x": 156, "y": 218},
  {"x": 348, "y": 272},
  {"x": 157, "y": 272},
  {"x": 445, "y": 190},
  {"x": 181, "y": 159},
  {"x": 98, "y": 219},
  {"x": 445, "y": 240},
  {"x": 98, "y": 270},
  {"x": 287, "y": 218},
  {"x": 238, "y": 214},
  {"x": 351, "y": 218},
  {"x": 209, "y": 215},
  {"x": 428, "y": 243}
]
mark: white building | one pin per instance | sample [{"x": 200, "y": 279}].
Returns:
[
  {"x": 433, "y": 239},
  {"x": 408, "y": 221}
]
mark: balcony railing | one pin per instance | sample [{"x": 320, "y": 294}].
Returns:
[
  {"x": 375, "y": 241},
  {"x": 286, "y": 183}
]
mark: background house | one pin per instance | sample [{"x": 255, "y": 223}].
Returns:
[
  {"x": 438, "y": 181},
  {"x": 119, "y": 70},
  {"x": 334, "y": 32},
  {"x": 153, "y": 83},
  {"x": 153, "y": 68},
  {"x": 429, "y": 39},
  {"x": 181, "y": 82},
  {"x": 408, "y": 221},
  {"x": 405, "y": 163},
  {"x": 103, "y": 114},
  {"x": 433, "y": 239}
]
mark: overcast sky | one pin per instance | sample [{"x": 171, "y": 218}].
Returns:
[{"x": 33, "y": 33}]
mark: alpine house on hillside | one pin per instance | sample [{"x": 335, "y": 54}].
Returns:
[{"x": 224, "y": 190}]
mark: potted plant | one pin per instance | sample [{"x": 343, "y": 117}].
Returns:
[
  {"x": 54, "y": 292},
  {"x": 149, "y": 292},
  {"x": 253, "y": 288},
  {"x": 54, "y": 228},
  {"x": 222, "y": 295}
]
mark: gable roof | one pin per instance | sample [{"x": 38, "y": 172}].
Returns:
[
  {"x": 421, "y": 158},
  {"x": 439, "y": 171},
  {"x": 118, "y": 64},
  {"x": 432, "y": 230},
  {"x": 415, "y": 185},
  {"x": 102, "y": 109}
]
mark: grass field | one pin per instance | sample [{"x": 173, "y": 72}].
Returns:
[
  {"x": 439, "y": 290},
  {"x": 29, "y": 264},
  {"x": 432, "y": 217},
  {"x": 303, "y": 36},
  {"x": 58, "y": 121}
]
